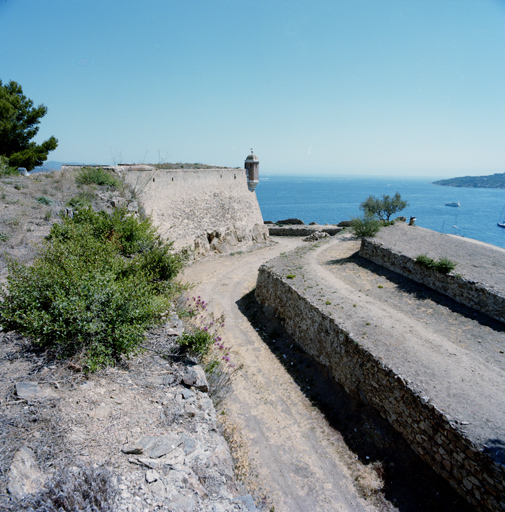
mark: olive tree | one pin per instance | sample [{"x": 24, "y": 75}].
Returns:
[
  {"x": 383, "y": 208},
  {"x": 19, "y": 121}
]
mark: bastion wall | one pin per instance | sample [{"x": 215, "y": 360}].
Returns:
[
  {"x": 208, "y": 210},
  {"x": 478, "y": 475},
  {"x": 480, "y": 296}
]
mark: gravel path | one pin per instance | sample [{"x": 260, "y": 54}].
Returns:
[{"x": 301, "y": 462}]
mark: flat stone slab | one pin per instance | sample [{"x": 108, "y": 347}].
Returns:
[
  {"x": 34, "y": 391},
  {"x": 157, "y": 446}
]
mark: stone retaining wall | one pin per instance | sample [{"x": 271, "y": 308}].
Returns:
[
  {"x": 473, "y": 294},
  {"x": 297, "y": 230},
  {"x": 477, "y": 474}
]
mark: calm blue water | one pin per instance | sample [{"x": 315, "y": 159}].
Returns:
[{"x": 332, "y": 199}]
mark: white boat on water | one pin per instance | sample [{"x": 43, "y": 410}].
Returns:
[{"x": 453, "y": 203}]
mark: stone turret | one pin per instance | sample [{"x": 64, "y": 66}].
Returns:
[{"x": 252, "y": 166}]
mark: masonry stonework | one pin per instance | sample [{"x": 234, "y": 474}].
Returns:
[
  {"x": 439, "y": 439},
  {"x": 483, "y": 298},
  {"x": 209, "y": 210}
]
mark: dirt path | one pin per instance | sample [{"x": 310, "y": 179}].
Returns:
[{"x": 300, "y": 460}]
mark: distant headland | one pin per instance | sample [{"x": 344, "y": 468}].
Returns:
[{"x": 496, "y": 180}]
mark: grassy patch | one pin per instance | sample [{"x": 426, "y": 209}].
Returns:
[
  {"x": 44, "y": 200},
  {"x": 97, "y": 176}
]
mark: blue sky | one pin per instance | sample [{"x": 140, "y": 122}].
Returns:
[{"x": 393, "y": 87}]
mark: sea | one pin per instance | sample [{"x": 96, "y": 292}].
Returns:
[{"x": 331, "y": 199}]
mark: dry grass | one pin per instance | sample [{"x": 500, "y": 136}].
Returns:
[{"x": 242, "y": 464}]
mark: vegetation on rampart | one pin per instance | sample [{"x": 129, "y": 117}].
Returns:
[{"x": 442, "y": 265}]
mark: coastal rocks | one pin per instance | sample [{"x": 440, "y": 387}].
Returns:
[
  {"x": 290, "y": 222},
  {"x": 298, "y": 230}
]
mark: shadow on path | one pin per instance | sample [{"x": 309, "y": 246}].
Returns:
[
  {"x": 420, "y": 291},
  {"x": 410, "y": 484}
]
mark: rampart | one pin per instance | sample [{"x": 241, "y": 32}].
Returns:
[
  {"x": 205, "y": 209},
  {"x": 469, "y": 285},
  {"x": 377, "y": 370}
]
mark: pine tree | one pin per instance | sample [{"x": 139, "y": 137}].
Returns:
[{"x": 18, "y": 126}]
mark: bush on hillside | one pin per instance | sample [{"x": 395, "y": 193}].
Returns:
[
  {"x": 81, "y": 200},
  {"x": 94, "y": 288},
  {"x": 97, "y": 176},
  {"x": 130, "y": 234}
]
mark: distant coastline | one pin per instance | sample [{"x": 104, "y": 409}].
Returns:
[{"x": 496, "y": 180}]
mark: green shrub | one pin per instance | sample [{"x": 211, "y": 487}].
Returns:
[
  {"x": 83, "y": 295},
  {"x": 5, "y": 169},
  {"x": 365, "y": 226},
  {"x": 44, "y": 200},
  {"x": 97, "y": 176},
  {"x": 445, "y": 265},
  {"x": 198, "y": 342},
  {"x": 81, "y": 200},
  {"x": 128, "y": 232},
  {"x": 425, "y": 261},
  {"x": 442, "y": 265},
  {"x": 4, "y": 237}
]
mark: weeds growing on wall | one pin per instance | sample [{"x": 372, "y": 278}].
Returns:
[
  {"x": 100, "y": 281},
  {"x": 443, "y": 265}
]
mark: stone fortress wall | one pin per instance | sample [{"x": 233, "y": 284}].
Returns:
[
  {"x": 209, "y": 210},
  {"x": 361, "y": 368},
  {"x": 469, "y": 288}
]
